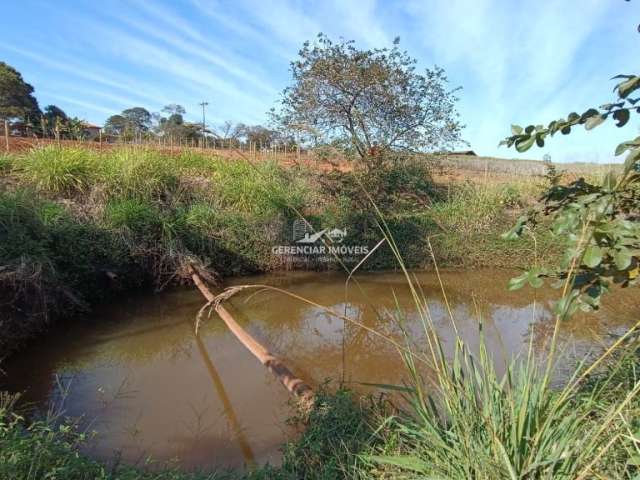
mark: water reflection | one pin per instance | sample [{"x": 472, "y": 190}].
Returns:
[{"x": 141, "y": 378}]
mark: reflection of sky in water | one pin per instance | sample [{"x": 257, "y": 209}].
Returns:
[{"x": 148, "y": 386}]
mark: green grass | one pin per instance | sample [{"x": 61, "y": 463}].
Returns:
[{"x": 59, "y": 170}]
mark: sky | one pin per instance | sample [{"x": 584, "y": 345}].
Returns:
[{"x": 518, "y": 62}]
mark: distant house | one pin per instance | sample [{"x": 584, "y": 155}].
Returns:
[
  {"x": 20, "y": 129},
  {"x": 91, "y": 131},
  {"x": 469, "y": 153}
]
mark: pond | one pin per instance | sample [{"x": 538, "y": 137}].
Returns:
[{"x": 138, "y": 375}]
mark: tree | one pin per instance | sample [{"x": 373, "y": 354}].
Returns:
[
  {"x": 16, "y": 97},
  {"x": 138, "y": 119},
  {"x": 174, "y": 109},
  {"x": 258, "y": 135},
  {"x": 75, "y": 128},
  {"x": 367, "y": 99},
  {"x": 598, "y": 223},
  {"x": 116, "y": 125},
  {"x": 173, "y": 125},
  {"x": 52, "y": 120},
  {"x": 51, "y": 112}
]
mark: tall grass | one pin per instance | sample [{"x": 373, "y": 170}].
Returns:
[
  {"x": 470, "y": 422},
  {"x": 59, "y": 170}
]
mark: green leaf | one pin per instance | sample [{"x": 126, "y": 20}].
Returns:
[
  {"x": 622, "y": 116},
  {"x": 568, "y": 305},
  {"x": 518, "y": 282},
  {"x": 516, "y": 129},
  {"x": 592, "y": 256},
  {"x": 525, "y": 144},
  {"x": 623, "y": 147},
  {"x": 622, "y": 258},
  {"x": 594, "y": 121},
  {"x": 631, "y": 160},
  {"x": 534, "y": 280},
  {"x": 625, "y": 88}
]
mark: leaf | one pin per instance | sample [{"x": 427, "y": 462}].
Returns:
[
  {"x": 631, "y": 160},
  {"x": 525, "y": 144},
  {"x": 622, "y": 258},
  {"x": 516, "y": 129},
  {"x": 534, "y": 280},
  {"x": 592, "y": 256},
  {"x": 567, "y": 306},
  {"x": 565, "y": 130},
  {"x": 623, "y": 147},
  {"x": 622, "y": 116},
  {"x": 625, "y": 88},
  {"x": 518, "y": 282},
  {"x": 594, "y": 121}
]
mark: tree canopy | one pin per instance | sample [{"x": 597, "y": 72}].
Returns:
[
  {"x": 367, "y": 99},
  {"x": 16, "y": 96}
]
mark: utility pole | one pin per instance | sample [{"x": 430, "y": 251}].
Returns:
[{"x": 203, "y": 104}]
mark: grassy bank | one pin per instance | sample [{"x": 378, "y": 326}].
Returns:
[{"x": 77, "y": 225}]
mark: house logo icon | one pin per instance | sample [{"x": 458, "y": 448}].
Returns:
[{"x": 303, "y": 233}]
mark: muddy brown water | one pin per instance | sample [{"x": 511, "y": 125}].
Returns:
[{"x": 138, "y": 376}]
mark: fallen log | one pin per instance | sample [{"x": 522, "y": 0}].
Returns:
[{"x": 293, "y": 384}]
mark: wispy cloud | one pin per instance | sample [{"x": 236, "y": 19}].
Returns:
[{"x": 518, "y": 62}]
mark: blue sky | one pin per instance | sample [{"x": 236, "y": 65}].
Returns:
[{"x": 518, "y": 62}]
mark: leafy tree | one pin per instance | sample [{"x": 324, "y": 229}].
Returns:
[
  {"x": 75, "y": 128},
  {"x": 51, "y": 112},
  {"x": 370, "y": 100},
  {"x": 138, "y": 119},
  {"x": 52, "y": 120},
  {"x": 16, "y": 96},
  {"x": 174, "y": 109},
  {"x": 599, "y": 223},
  {"x": 116, "y": 125},
  {"x": 258, "y": 135}
]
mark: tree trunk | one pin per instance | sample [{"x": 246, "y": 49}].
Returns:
[{"x": 292, "y": 383}]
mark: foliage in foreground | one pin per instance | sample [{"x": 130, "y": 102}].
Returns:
[
  {"x": 599, "y": 223},
  {"x": 478, "y": 424}
]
